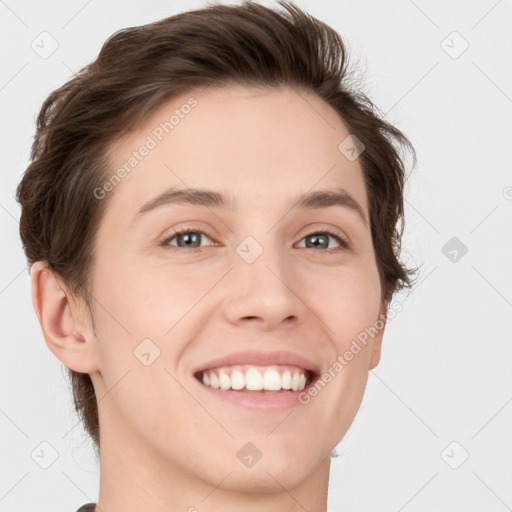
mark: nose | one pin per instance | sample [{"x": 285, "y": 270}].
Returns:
[{"x": 264, "y": 292}]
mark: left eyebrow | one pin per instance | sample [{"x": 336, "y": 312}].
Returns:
[
  {"x": 326, "y": 198},
  {"x": 210, "y": 198}
]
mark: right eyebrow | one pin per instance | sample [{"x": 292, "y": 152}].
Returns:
[{"x": 194, "y": 196}]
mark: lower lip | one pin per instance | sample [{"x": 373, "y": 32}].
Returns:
[{"x": 259, "y": 400}]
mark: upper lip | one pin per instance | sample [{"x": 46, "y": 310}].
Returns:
[{"x": 262, "y": 359}]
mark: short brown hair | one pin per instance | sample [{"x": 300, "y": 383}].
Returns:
[{"x": 139, "y": 68}]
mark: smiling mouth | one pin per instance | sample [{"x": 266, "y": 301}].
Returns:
[{"x": 257, "y": 379}]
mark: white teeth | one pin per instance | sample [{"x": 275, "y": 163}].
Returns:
[
  {"x": 214, "y": 380},
  {"x": 237, "y": 380},
  {"x": 286, "y": 380},
  {"x": 224, "y": 380},
  {"x": 295, "y": 382},
  {"x": 272, "y": 380},
  {"x": 255, "y": 380}
]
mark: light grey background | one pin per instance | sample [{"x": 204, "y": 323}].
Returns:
[{"x": 445, "y": 373}]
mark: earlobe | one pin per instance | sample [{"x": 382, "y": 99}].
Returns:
[{"x": 62, "y": 322}]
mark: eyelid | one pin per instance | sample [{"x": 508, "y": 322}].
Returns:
[
  {"x": 318, "y": 227},
  {"x": 322, "y": 228}
]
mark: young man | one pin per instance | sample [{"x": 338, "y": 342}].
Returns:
[{"x": 211, "y": 220}]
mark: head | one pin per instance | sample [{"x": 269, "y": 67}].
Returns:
[{"x": 258, "y": 105}]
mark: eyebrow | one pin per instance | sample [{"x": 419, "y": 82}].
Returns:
[{"x": 213, "y": 199}]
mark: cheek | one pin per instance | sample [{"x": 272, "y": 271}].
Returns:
[
  {"x": 349, "y": 304},
  {"x": 151, "y": 312},
  {"x": 148, "y": 304},
  {"x": 133, "y": 313}
]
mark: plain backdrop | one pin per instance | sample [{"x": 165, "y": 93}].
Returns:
[{"x": 433, "y": 431}]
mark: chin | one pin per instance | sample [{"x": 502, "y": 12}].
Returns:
[
  {"x": 265, "y": 479},
  {"x": 274, "y": 470}
]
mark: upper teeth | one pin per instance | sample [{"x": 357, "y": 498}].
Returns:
[{"x": 254, "y": 378}]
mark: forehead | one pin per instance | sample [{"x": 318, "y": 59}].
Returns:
[{"x": 256, "y": 145}]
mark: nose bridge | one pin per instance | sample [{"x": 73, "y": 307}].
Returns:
[
  {"x": 263, "y": 286},
  {"x": 260, "y": 245},
  {"x": 262, "y": 262}
]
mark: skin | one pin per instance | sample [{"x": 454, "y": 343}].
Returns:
[{"x": 163, "y": 446}]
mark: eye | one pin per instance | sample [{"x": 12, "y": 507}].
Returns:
[
  {"x": 321, "y": 239},
  {"x": 188, "y": 238}
]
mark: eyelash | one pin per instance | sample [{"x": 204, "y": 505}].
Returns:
[{"x": 344, "y": 244}]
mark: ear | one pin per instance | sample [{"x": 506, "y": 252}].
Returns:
[
  {"x": 377, "y": 340},
  {"x": 65, "y": 322}
]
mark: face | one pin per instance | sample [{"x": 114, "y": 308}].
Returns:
[{"x": 270, "y": 285}]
